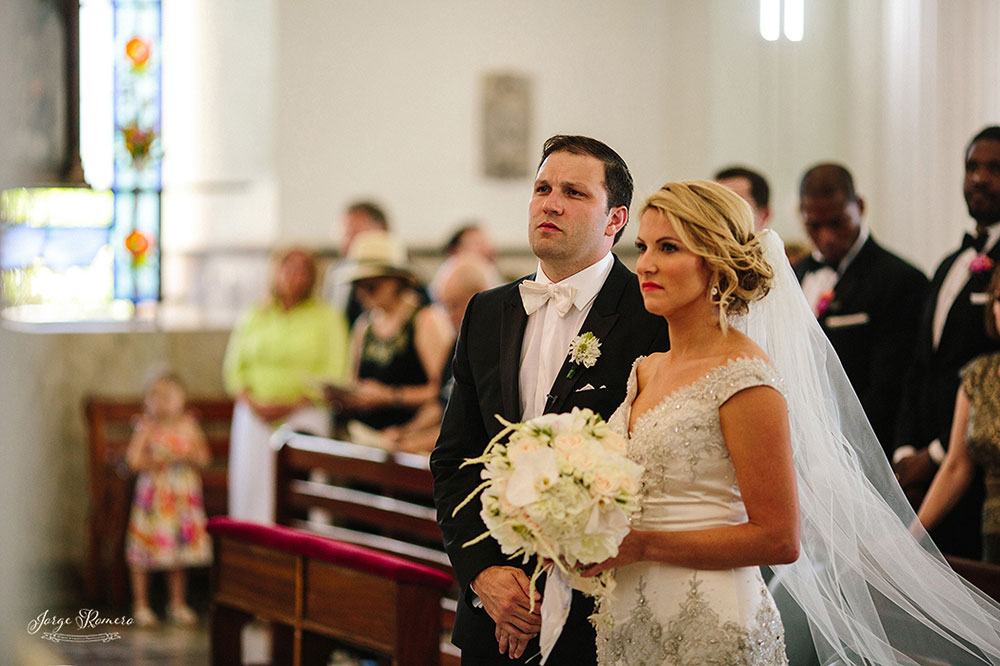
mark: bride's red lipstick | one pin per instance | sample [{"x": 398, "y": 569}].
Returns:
[{"x": 650, "y": 286}]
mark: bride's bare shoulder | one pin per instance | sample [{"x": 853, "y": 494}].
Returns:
[
  {"x": 648, "y": 367},
  {"x": 741, "y": 346}
]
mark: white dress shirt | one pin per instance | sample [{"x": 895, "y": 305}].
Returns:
[
  {"x": 955, "y": 281},
  {"x": 547, "y": 336},
  {"x": 817, "y": 283}
]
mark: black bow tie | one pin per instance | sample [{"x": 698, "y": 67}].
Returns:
[
  {"x": 817, "y": 264},
  {"x": 978, "y": 242}
]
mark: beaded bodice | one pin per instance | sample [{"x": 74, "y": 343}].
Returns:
[
  {"x": 667, "y": 615},
  {"x": 689, "y": 480}
]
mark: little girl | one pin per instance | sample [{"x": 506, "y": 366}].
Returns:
[{"x": 167, "y": 526}]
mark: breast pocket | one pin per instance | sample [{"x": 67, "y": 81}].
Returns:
[
  {"x": 603, "y": 401},
  {"x": 847, "y": 320}
]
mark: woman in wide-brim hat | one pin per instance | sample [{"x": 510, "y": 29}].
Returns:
[{"x": 399, "y": 345}]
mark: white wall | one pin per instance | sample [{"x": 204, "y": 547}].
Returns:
[
  {"x": 278, "y": 113},
  {"x": 381, "y": 99},
  {"x": 218, "y": 124}
]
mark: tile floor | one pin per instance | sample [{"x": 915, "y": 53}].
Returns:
[
  {"x": 168, "y": 645},
  {"x": 162, "y": 646}
]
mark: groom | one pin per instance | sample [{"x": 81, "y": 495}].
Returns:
[{"x": 512, "y": 359}]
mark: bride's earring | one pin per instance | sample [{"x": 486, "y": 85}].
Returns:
[{"x": 715, "y": 290}]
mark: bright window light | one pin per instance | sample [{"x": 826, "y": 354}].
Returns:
[
  {"x": 770, "y": 19},
  {"x": 794, "y": 10},
  {"x": 97, "y": 96}
]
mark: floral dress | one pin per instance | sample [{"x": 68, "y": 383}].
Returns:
[
  {"x": 666, "y": 615},
  {"x": 167, "y": 525}
]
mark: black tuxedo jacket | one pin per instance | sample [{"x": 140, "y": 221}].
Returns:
[
  {"x": 872, "y": 323},
  {"x": 928, "y": 405},
  {"x": 486, "y": 370}
]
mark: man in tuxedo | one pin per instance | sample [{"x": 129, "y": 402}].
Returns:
[
  {"x": 512, "y": 359},
  {"x": 867, "y": 299},
  {"x": 952, "y": 333},
  {"x": 338, "y": 290}
]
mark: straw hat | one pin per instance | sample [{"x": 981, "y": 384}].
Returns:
[{"x": 377, "y": 253}]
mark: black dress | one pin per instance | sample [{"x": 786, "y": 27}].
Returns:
[{"x": 394, "y": 362}]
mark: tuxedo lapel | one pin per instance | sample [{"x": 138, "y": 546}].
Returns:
[
  {"x": 959, "y": 311},
  {"x": 852, "y": 282},
  {"x": 513, "y": 321},
  {"x": 600, "y": 321}
]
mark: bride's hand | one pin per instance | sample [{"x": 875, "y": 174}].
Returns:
[{"x": 630, "y": 551}]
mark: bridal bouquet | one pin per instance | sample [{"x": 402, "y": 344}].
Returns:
[{"x": 560, "y": 489}]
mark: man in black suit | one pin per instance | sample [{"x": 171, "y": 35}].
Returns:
[
  {"x": 752, "y": 188},
  {"x": 511, "y": 359},
  {"x": 867, "y": 299},
  {"x": 952, "y": 333}
]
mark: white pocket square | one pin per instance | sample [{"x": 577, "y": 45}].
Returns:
[
  {"x": 843, "y": 321},
  {"x": 588, "y": 387}
]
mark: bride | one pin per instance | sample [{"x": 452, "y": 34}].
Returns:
[{"x": 757, "y": 453}]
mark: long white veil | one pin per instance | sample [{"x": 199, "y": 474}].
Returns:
[{"x": 873, "y": 593}]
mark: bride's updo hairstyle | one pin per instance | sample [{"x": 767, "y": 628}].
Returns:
[{"x": 717, "y": 225}]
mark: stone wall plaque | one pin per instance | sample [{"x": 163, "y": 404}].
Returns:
[{"x": 506, "y": 125}]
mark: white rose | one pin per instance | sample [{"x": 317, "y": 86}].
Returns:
[
  {"x": 523, "y": 444},
  {"x": 567, "y": 441},
  {"x": 603, "y": 484},
  {"x": 583, "y": 457}
]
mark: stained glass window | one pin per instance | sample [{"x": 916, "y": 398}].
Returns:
[
  {"x": 138, "y": 154},
  {"x": 79, "y": 253}
]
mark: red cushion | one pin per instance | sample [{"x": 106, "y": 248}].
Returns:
[{"x": 348, "y": 555}]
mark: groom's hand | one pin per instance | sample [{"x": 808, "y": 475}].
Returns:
[{"x": 504, "y": 593}]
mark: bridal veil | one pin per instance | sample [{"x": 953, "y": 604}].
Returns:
[{"x": 874, "y": 587}]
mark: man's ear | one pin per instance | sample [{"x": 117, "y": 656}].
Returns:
[
  {"x": 861, "y": 205},
  {"x": 617, "y": 218}
]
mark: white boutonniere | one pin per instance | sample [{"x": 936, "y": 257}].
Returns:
[{"x": 584, "y": 350}]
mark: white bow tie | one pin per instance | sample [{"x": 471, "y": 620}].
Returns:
[{"x": 535, "y": 294}]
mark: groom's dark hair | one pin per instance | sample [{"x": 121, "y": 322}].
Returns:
[{"x": 617, "y": 179}]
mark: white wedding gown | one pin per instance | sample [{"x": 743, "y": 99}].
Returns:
[{"x": 670, "y": 615}]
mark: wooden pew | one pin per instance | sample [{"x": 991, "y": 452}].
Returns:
[
  {"x": 318, "y": 593},
  {"x": 981, "y": 574},
  {"x": 109, "y": 426},
  {"x": 374, "y": 498}
]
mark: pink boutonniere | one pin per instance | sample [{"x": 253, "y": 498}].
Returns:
[
  {"x": 981, "y": 264},
  {"x": 824, "y": 302}
]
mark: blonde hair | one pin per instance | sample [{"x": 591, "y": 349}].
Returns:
[{"x": 717, "y": 225}]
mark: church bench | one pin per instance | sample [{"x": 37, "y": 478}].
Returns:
[
  {"x": 372, "y": 497},
  {"x": 983, "y": 575},
  {"x": 318, "y": 593},
  {"x": 109, "y": 429}
]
